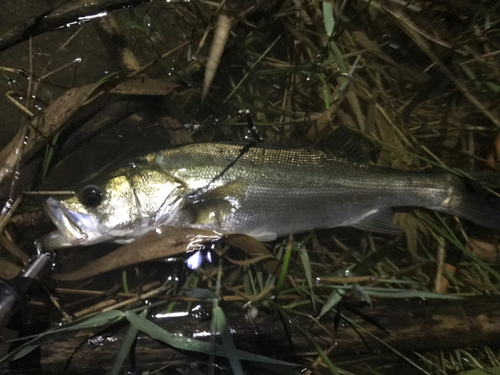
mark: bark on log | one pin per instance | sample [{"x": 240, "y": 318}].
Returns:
[
  {"x": 411, "y": 325},
  {"x": 52, "y": 20}
]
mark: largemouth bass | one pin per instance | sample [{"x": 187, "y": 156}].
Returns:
[{"x": 264, "y": 192}]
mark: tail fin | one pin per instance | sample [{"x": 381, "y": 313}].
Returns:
[{"x": 472, "y": 201}]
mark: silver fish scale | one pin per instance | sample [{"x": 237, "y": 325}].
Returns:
[{"x": 315, "y": 189}]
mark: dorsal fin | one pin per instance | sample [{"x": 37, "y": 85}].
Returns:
[{"x": 345, "y": 143}]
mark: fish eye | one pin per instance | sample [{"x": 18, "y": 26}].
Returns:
[{"x": 90, "y": 196}]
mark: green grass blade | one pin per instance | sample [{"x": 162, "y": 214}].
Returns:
[
  {"x": 361, "y": 293},
  {"x": 201, "y": 294},
  {"x": 124, "y": 281},
  {"x": 398, "y": 353},
  {"x": 491, "y": 371},
  {"x": 333, "y": 369},
  {"x": 306, "y": 263},
  {"x": 398, "y": 293},
  {"x": 105, "y": 318},
  {"x": 127, "y": 343},
  {"x": 227, "y": 340},
  {"x": 447, "y": 233},
  {"x": 194, "y": 345},
  {"x": 253, "y": 66},
  {"x": 284, "y": 268},
  {"x": 328, "y": 18},
  {"x": 49, "y": 155},
  {"x": 334, "y": 298}
]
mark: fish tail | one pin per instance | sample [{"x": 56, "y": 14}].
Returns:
[{"x": 472, "y": 201}]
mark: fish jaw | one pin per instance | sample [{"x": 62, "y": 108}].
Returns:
[
  {"x": 78, "y": 228},
  {"x": 53, "y": 240}
]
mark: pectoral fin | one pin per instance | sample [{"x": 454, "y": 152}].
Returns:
[
  {"x": 214, "y": 206},
  {"x": 213, "y": 211},
  {"x": 232, "y": 190}
]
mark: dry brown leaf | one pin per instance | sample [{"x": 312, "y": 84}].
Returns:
[
  {"x": 144, "y": 86},
  {"x": 52, "y": 120},
  {"x": 352, "y": 99},
  {"x": 116, "y": 35},
  {"x": 413, "y": 229},
  {"x": 443, "y": 283},
  {"x": 494, "y": 156},
  {"x": 246, "y": 262},
  {"x": 168, "y": 241},
  {"x": 254, "y": 248},
  {"x": 8, "y": 270},
  {"x": 12, "y": 248},
  {"x": 418, "y": 36},
  {"x": 485, "y": 250},
  {"x": 216, "y": 51},
  {"x": 165, "y": 242}
]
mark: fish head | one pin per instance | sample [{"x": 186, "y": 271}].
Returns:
[{"x": 131, "y": 202}]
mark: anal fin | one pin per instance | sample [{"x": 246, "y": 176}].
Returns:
[
  {"x": 379, "y": 221},
  {"x": 263, "y": 236}
]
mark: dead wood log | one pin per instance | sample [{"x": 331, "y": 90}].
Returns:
[{"x": 410, "y": 324}]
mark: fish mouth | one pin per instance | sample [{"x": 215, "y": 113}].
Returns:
[{"x": 77, "y": 228}]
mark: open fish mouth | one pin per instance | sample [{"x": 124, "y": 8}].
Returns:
[{"x": 77, "y": 228}]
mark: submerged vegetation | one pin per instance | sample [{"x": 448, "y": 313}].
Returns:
[{"x": 416, "y": 83}]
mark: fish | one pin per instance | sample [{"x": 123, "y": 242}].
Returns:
[{"x": 261, "y": 191}]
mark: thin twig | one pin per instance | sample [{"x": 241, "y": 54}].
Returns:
[
  {"x": 12, "y": 248},
  {"x": 149, "y": 64},
  {"x": 25, "y": 110}
]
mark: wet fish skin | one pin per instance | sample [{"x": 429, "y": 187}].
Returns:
[{"x": 264, "y": 192}]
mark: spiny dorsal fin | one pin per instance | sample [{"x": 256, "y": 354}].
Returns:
[{"x": 345, "y": 143}]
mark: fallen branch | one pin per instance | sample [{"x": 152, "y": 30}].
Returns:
[{"x": 69, "y": 12}]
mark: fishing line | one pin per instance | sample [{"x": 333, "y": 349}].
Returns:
[{"x": 243, "y": 113}]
